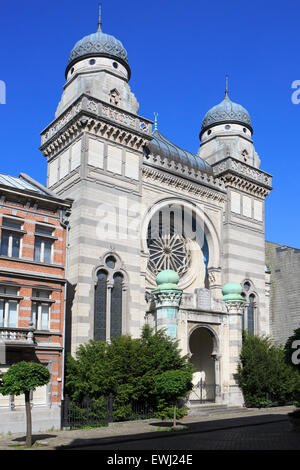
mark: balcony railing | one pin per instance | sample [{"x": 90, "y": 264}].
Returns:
[{"x": 22, "y": 336}]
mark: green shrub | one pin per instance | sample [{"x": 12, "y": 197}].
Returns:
[
  {"x": 128, "y": 368},
  {"x": 263, "y": 374}
]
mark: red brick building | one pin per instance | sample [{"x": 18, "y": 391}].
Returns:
[{"x": 33, "y": 244}]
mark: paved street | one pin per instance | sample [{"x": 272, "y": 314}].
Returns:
[{"x": 267, "y": 429}]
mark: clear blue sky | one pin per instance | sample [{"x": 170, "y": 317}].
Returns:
[{"x": 179, "y": 53}]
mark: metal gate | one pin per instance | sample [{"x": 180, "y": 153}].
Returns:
[{"x": 203, "y": 392}]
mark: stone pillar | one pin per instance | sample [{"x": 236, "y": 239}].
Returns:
[
  {"x": 167, "y": 297},
  {"x": 234, "y": 304}
]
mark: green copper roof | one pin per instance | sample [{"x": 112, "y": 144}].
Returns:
[
  {"x": 232, "y": 292},
  {"x": 167, "y": 280}
]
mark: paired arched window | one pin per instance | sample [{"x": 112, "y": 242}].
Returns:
[
  {"x": 109, "y": 301},
  {"x": 250, "y": 308}
]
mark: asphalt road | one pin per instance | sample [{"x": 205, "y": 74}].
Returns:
[{"x": 270, "y": 432}]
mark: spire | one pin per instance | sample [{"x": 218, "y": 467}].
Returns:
[
  {"x": 99, "y": 20},
  {"x": 226, "y": 86},
  {"x": 155, "y": 121}
]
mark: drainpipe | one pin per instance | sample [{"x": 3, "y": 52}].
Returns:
[{"x": 67, "y": 227}]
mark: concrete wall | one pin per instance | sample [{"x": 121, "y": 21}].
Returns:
[{"x": 284, "y": 264}]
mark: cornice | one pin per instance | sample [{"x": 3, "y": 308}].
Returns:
[
  {"x": 180, "y": 170},
  {"x": 175, "y": 183},
  {"x": 88, "y": 114},
  {"x": 244, "y": 177}
]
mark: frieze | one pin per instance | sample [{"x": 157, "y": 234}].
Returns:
[
  {"x": 154, "y": 176},
  {"x": 85, "y": 123},
  {"x": 100, "y": 109},
  {"x": 243, "y": 169}
]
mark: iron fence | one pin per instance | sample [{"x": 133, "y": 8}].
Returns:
[{"x": 100, "y": 412}]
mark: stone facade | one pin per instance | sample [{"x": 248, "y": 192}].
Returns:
[
  {"x": 125, "y": 181},
  {"x": 283, "y": 269},
  {"x": 32, "y": 295}
]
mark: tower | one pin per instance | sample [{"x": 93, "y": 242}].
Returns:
[
  {"x": 226, "y": 143},
  {"x": 94, "y": 153}
]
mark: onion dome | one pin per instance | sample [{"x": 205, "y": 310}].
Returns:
[
  {"x": 167, "y": 280},
  {"x": 226, "y": 112},
  {"x": 99, "y": 44},
  {"x": 161, "y": 146},
  {"x": 232, "y": 292}
]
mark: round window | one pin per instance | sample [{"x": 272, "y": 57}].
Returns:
[
  {"x": 244, "y": 129},
  {"x": 92, "y": 62},
  {"x": 227, "y": 127},
  {"x": 115, "y": 65},
  {"x": 209, "y": 132},
  {"x": 110, "y": 262},
  {"x": 72, "y": 70}
]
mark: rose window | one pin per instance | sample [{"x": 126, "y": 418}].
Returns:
[{"x": 168, "y": 252}]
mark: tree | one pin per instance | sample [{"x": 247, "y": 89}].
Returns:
[
  {"x": 292, "y": 357},
  {"x": 263, "y": 374},
  {"x": 127, "y": 368},
  {"x": 21, "y": 378},
  {"x": 172, "y": 385}
]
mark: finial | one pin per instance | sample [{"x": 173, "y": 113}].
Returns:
[
  {"x": 99, "y": 20},
  {"x": 155, "y": 121},
  {"x": 226, "y": 86}
]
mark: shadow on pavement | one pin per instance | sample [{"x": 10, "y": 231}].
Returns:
[
  {"x": 35, "y": 437},
  {"x": 243, "y": 432}
]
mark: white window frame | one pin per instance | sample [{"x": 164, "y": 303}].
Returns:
[
  {"x": 6, "y": 312},
  {"x": 39, "y": 306},
  {"x": 42, "y": 252}
]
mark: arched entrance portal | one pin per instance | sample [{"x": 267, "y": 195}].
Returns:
[{"x": 202, "y": 348}]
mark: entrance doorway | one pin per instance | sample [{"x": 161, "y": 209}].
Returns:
[{"x": 201, "y": 347}]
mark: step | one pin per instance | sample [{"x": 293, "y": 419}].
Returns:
[{"x": 213, "y": 409}]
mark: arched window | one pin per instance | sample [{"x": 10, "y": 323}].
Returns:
[
  {"x": 100, "y": 306},
  {"x": 109, "y": 299},
  {"x": 250, "y": 308},
  {"x": 116, "y": 306}
]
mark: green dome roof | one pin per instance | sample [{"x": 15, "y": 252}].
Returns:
[
  {"x": 168, "y": 276},
  {"x": 232, "y": 291}
]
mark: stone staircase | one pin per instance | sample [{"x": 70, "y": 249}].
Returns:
[{"x": 197, "y": 409}]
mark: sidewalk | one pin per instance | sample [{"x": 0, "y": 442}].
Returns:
[{"x": 53, "y": 440}]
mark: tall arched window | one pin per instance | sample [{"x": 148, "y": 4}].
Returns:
[
  {"x": 250, "y": 308},
  {"x": 100, "y": 306},
  {"x": 116, "y": 306},
  {"x": 109, "y": 305}
]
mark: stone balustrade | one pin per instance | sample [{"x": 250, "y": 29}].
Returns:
[{"x": 22, "y": 335}]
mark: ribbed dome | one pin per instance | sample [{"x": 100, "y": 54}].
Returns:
[
  {"x": 226, "y": 112},
  {"x": 161, "y": 146},
  {"x": 98, "y": 44}
]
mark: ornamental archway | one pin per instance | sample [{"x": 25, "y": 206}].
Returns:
[{"x": 203, "y": 346}]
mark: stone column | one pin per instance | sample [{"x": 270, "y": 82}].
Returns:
[
  {"x": 234, "y": 304},
  {"x": 167, "y": 297}
]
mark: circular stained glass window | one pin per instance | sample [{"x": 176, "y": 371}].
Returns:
[{"x": 168, "y": 252}]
